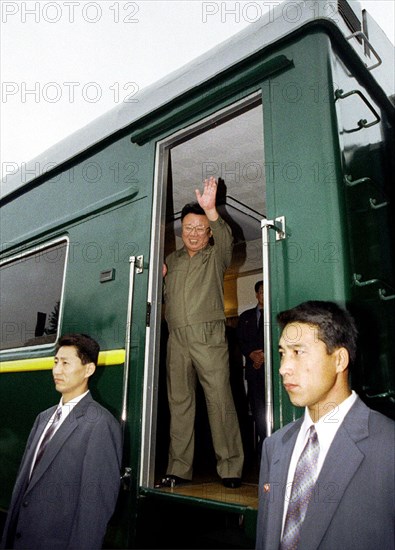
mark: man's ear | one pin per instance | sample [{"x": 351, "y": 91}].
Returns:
[
  {"x": 342, "y": 359},
  {"x": 89, "y": 369}
]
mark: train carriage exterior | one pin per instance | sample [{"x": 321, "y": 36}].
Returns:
[{"x": 294, "y": 116}]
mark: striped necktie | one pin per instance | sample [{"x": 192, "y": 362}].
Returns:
[
  {"x": 47, "y": 437},
  {"x": 302, "y": 491}
]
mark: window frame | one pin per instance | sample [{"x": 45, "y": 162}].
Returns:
[{"x": 32, "y": 251}]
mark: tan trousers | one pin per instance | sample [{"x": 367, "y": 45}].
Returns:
[{"x": 201, "y": 350}]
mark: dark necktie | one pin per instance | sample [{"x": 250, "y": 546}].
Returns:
[
  {"x": 302, "y": 491},
  {"x": 260, "y": 321},
  {"x": 47, "y": 437}
]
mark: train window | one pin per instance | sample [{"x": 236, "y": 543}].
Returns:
[{"x": 30, "y": 296}]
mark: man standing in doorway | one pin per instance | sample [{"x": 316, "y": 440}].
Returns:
[
  {"x": 197, "y": 346},
  {"x": 250, "y": 335}
]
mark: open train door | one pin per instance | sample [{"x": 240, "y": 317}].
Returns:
[{"x": 226, "y": 144}]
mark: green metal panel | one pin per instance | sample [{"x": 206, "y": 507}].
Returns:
[
  {"x": 101, "y": 204},
  {"x": 368, "y": 167},
  {"x": 304, "y": 184}
]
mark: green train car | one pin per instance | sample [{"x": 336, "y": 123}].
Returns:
[{"x": 294, "y": 116}]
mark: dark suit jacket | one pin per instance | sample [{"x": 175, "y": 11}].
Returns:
[
  {"x": 250, "y": 338},
  {"x": 73, "y": 490},
  {"x": 353, "y": 507}
]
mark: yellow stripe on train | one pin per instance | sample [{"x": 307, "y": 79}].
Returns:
[{"x": 106, "y": 359}]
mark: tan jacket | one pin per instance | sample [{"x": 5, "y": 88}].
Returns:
[{"x": 194, "y": 286}]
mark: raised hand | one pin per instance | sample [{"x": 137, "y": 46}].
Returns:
[{"x": 207, "y": 199}]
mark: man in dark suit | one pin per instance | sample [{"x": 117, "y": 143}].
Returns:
[
  {"x": 68, "y": 481},
  {"x": 337, "y": 490},
  {"x": 250, "y": 336}
]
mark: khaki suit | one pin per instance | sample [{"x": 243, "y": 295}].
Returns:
[{"x": 197, "y": 348}]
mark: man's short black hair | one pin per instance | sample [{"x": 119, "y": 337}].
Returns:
[
  {"x": 87, "y": 348},
  {"x": 192, "y": 208},
  {"x": 257, "y": 286},
  {"x": 336, "y": 327}
]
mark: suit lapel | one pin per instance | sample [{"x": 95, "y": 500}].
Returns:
[
  {"x": 341, "y": 463},
  {"x": 278, "y": 475},
  {"x": 59, "y": 438},
  {"x": 27, "y": 462}
]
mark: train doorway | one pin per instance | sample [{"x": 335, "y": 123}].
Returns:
[{"x": 228, "y": 146}]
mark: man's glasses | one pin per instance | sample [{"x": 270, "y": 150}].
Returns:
[{"x": 200, "y": 229}]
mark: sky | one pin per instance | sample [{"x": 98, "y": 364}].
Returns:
[{"x": 64, "y": 63}]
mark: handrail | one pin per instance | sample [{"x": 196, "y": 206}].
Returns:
[
  {"x": 357, "y": 281},
  {"x": 279, "y": 226},
  {"x": 362, "y": 123},
  {"x": 136, "y": 266},
  {"x": 367, "y": 43}
]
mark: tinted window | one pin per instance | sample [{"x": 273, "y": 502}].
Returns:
[{"x": 30, "y": 296}]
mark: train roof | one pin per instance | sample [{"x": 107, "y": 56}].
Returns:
[{"x": 284, "y": 19}]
